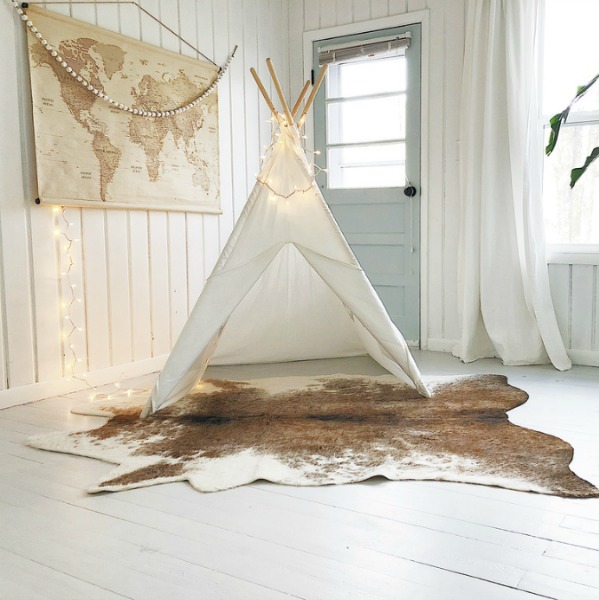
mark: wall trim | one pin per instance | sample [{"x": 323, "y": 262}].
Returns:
[
  {"x": 409, "y": 18},
  {"x": 584, "y": 358},
  {"x": 38, "y": 391},
  {"x": 406, "y": 18},
  {"x": 581, "y": 358},
  {"x": 439, "y": 345},
  {"x": 573, "y": 258}
]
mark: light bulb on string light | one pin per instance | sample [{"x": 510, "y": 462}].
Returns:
[
  {"x": 69, "y": 328},
  {"x": 66, "y": 244}
]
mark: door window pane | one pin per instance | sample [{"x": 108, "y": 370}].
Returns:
[
  {"x": 372, "y": 76},
  {"x": 366, "y": 120},
  {"x": 366, "y": 123},
  {"x": 373, "y": 166}
]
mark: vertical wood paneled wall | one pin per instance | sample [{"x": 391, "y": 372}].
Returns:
[
  {"x": 137, "y": 273},
  {"x": 445, "y": 39},
  {"x": 575, "y": 291}
]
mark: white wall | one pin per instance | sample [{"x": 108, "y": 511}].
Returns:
[
  {"x": 138, "y": 273},
  {"x": 445, "y": 39}
]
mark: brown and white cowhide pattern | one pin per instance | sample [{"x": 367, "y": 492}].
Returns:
[{"x": 328, "y": 430}]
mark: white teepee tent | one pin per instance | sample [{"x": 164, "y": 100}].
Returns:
[{"x": 287, "y": 286}]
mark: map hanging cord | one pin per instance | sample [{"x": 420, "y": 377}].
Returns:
[
  {"x": 25, "y": 5},
  {"x": 231, "y": 56}
]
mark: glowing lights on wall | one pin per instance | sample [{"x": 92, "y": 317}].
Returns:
[
  {"x": 69, "y": 327},
  {"x": 71, "y": 296}
]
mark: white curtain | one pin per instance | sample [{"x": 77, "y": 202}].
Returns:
[{"x": 506, "y": 306}]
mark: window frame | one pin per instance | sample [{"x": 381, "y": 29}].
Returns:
[{"x": 333, "y": 141}]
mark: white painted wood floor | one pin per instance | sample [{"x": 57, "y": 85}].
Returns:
[{"x": 379, "y": 539}]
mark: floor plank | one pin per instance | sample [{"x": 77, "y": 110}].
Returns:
[
  {"x": 24, "y": 579},
  {"x": 114, "y": 551}
]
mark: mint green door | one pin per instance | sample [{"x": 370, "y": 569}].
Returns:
[{"x": 367, "y": 130}]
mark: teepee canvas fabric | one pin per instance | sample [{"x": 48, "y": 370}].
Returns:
[{"x": 286, "y": 287}]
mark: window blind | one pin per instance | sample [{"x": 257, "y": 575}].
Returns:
[{"x": 339, "y": 53}]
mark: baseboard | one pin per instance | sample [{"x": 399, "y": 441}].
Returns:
[
  {"x": 439, "y": 345},
  {"x": 38, "y": 391},
  {"x": 585, "y": 358}
]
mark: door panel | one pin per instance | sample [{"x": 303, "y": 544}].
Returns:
[
  {"x": 357, "y": 219},
  {"x": 367, "y": 161}
]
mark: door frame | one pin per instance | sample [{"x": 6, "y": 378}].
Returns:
[{"x": 421, "y": 17}]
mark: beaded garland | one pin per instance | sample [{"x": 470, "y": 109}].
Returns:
[{"x": 100, "y": 94}]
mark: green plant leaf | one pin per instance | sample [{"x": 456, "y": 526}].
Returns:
[
  {"x": 555, "y": 122},
  {"x": 581, "y": 91},
  {"x": 558, "y": 120},
  {"x": 577, "y": 173}
]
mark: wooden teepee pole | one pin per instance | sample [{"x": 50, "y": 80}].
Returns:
[
  {"x": 279, "y": 90},
  {"x": 298, "y": 103},
  {"x": 317, "y": 83},
  {"x": 264, "y": 93}
]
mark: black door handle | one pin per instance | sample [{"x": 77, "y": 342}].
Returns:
[{"x": 410, "y": 191}]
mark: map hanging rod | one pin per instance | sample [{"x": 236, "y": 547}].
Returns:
[{"x": 141, "y": 8}]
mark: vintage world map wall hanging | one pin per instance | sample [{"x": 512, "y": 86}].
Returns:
[{"x": 120, "y": 123}]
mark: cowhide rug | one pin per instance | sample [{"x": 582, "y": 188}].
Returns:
[{"x": 325, "y": 430}]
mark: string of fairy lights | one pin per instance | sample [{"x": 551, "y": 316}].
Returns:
[
  {"x": 315, "y": 168},
  {"x": 70, "y": 295},
  {"x": 70, "y": 327},
  {"x": 66, "y": 241},
  {"x": 74, "y": 295}
]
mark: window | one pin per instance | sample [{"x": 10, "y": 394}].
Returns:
[
  {"x": 571, "y": 59},
  {"x": 366, "y": 118}
]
